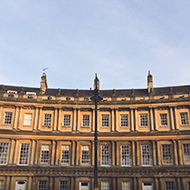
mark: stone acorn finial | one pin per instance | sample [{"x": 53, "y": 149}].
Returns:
[
  {"x": 2, "y": 87},
  {"x": 77, "y": 92},
  {"x": 132, "y": 92},
  {"x": 58, "y": 92},
  {"x": 21, "y": 90},
  {"x": 114, "y": 92},
  {"x": 171, "y": 90},
  {"x": 150, "y": 83}
]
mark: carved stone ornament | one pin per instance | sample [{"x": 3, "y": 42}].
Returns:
[
  {"x": 182, "y": 107},
  {"x": 162, "y": 108},
  {"x": 123, "y": 109},
  {"x": 47, "y": 108},
  {"x": 85, "y": 109},
  {"x": 104, "y": 109},
  {"x": 67, "y": 109},
  {"x": 8, "y": 106},
  {"x": 29, "y": 107},
  {"x": 143, "y": 109}
]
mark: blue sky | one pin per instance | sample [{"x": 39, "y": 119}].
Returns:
[{"x": 118, "y": 39}]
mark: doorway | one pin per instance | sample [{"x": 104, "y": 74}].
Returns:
[
  {"x": 147, "y": 186},
  {"x": 84, "y": 185},
  {"x": 20, "y": 185}
]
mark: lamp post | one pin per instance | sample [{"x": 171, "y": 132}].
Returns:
[{"x": 96, "y": 98}]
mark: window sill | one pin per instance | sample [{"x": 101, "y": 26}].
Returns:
[
  {"x": 49, "y": 126},
  {"x": 66, "y": 126},
  {"x": 85, "y": 126}
]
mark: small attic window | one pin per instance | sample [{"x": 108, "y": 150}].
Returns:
[
  {"x": 30, "y": 97},
  {"x": 142, "y": 98},
  {"x": 11, "y": 96},
  {"x": 49, "y": 97},
  {"x": 31, "y": 93},
  {"x": 123, "y": 99},
  {"x": 68, "y": 98},
  {"x": 12, "y": 91},
  {"x": 162, "y": 97},
  {"x": 86, "y": 99},
  {"x": 105, "y": 99},
  {"x": 181, "y": 96}
]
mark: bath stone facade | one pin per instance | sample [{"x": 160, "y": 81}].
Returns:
[{"x": 47, "y": 138}]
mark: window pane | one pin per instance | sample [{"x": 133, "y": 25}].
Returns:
[
  {"x": 184, "y": 118},
  {"x": 126, "y": 185},
  {"x": 24, "y": 154},
  {"x": 47, "y": 119},
  {"x": 67, "y": 120},
  {"x": 146, "y": 161},
  {"x": 167, "y": 154},
  {"x": 125, "y": 154},
  {"x": 105, "y": 185},
  {"x": 170, "y": 185},
  {"x": 65, "y": 154},
  {"x": 186, "y": 151},
  {"x": 144, "y": 120},
  {"x": 28, "y": 119},
  {"x": 63, "y": 185},
  {"x": 42, "y": 185},
  {"x": 124, "y": 120},
  {"x": 105, "y": 155},
  {"x": 105, "y": 120},
  {"x": 4, "y": 147},
  {"x": 45, "y": 154},
  {"x": 1, "y": 184},
  {"x": 163, "y": 119},
  {"x": 188, "y": 185},
  {"x": 86, "y": 121},
  {"x": 85, "y": 157},
  {"x": 8, "y": 118}
]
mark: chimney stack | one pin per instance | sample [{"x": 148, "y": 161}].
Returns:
[
  {"x": 150, "y": 83},
  {"x": 96, "y": 82},
  {"x": 43, "y": 83}
]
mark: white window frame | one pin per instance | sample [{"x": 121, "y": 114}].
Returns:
[
  {"x": 186, "y": 153},
  {"x": 47, "y": 119},
  {"x": 126, "y": 185},
  {"x": 45, "y": 154},
  {"x": 42, "y": 185},
  {"x": 8, "y": 118},
  {"x": 169, "y": 185},
  {"x": 85, "y": 154},
  {"x": 125, "y": 155},
  {"x": 63, "y": 185},
  {"x": 28, "y": 119},
  {"x": 86, "y": 120},
  {"x": 4, "y": 153},
  {"x": 144, "y": 120},
  {"x": 24, "y": 154},
  {"x": 124, "y": 120},
  {"x": 146, "y": 157},
  {"x": 105, "y": 155},
  {"x": 105, "y": 120},
  {"x": 184, "y": 118},
  {"x": 105, "y": 185},
  {"x": 163, "y": 119},
  {"x": 66, "y": 120},
  {"x": 65, "y": 154},
  {"x": 167, "y": 156}
]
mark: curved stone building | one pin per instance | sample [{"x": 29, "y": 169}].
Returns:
[{"x": 47, "y": 138}]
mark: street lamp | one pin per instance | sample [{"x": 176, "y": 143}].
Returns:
[{"x": 96, "y": 98}]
